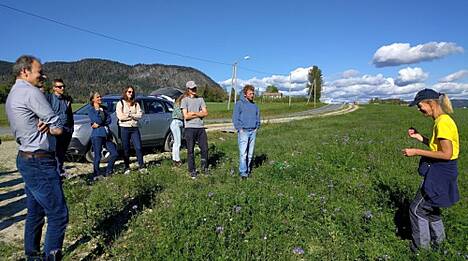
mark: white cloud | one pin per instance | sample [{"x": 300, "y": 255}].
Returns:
[
  {"x": 452, "y": 89},
  {"x": 402, "y": 53},
  {"x": 297, "y": 85},
  {"x": 365, "y": 87},
  {"x": 410, "y": 75},
  {"x": 350, "y": 73},
  {"x": 455, "y": 76},
  {"x": 357, "y": 87}
]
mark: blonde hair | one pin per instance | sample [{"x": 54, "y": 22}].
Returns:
[{"x": 445, "y": 103}]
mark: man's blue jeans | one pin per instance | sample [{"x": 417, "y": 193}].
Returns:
[
  {"x": 44, "y": 197},
  {"x": 98, "y": 142},
  {"x": 131, "y": 134},
  {"x": 246, "y": 141}
]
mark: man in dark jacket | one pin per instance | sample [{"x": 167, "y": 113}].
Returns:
[
  {"x": 61, "y": 105},
  {"x": 246, "y": 120}
]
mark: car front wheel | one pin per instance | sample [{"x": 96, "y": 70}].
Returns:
[{"x": 168, "y": 142}]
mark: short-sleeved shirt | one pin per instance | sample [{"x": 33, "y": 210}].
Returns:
[
  {"x": 445, "y": 128},
  {"x": 193, "y": 105}
]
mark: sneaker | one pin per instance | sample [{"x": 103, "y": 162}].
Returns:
[
  {"x": 97, "y": 178},
  {"x": 176, "y": 163},
  {"x": 127, "y": 171},
  {"x": 193, "y": 174},
  {"x": 143, "y": 170}
]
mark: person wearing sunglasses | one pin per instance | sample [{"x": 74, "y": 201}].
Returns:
[
  {"x": 129, "y": 113},
  {"x": 61, "y": 105}
]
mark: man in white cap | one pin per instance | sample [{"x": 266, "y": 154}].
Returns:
[{"x": 194, "y": 110}]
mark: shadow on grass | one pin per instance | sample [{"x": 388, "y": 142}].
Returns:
[
  {"x": 258, "y": 160},
  {"x": 112, "y": 227},
  {"x": 8, "y": 172},
  {"x": 401, "y": 203},
  {"x": 215, "y": 156}
]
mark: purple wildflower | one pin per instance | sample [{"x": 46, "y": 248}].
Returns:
[
  {"x": 298, "y": 251},
  {"x": 237, "y": 209},
  {"x": 219, "y": 229},
  {"x": 368, "y": 215}
]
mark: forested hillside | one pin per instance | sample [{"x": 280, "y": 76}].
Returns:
[{"x": 106, "y": 76}]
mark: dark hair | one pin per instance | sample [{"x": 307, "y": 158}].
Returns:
[
  {"x": 57, "y": 80},
  {"x": 179, "y": 99},
  {"x": 125, "y": 97},
  {"x": 248, "y": 87},
  {"x": 24, "y": 62}
]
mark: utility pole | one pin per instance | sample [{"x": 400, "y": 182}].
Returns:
[
  {"x": 289, "y": 90},
  {"x": 315, "y": 93},
  {"x": 234, "y": 81},
  {"x": 232, "y": 85}
]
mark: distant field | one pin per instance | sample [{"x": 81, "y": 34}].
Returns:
[
  {"x": 216, "y": 110},
  {"x": 3, "y": 116}
]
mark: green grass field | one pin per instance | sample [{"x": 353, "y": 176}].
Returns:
[{"x": 335, "y": 188}]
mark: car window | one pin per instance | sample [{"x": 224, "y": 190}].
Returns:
[
  {"x": 83, "y": 110},
  {"x": 153, "y": 106},
  {"x": 169, "y": 106},
  {"x": 110, "y": 104}
]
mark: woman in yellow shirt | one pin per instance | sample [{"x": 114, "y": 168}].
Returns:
[{"x": 438, "y": 166}]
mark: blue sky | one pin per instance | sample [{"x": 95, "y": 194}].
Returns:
[{"x": 387, "y": 49}]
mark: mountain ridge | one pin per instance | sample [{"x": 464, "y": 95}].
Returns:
[{"x": 107, "y": 76}]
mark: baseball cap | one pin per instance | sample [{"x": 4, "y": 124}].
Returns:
[
  {"x": 426, "y": 94},
  {"x": 190, "y": 85}
]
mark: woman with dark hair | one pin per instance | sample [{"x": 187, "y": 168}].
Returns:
[
  {"x": 129, "y": 113},
  {"x": 176, "y": 126},
  {"x": 101, "y": 135}
]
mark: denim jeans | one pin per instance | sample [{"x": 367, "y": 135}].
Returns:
[
  {"x": 193, "y": 135},
  {"x": 44, "y": 198},
  {"x": 246, "y": 141},
  {"x": 176, "y": 127},
  {"x": 61, "y": 148},
  {"x": 133, "y": 134},
  {"x": 98, "y": 142}
]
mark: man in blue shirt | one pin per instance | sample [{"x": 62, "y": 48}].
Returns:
[
  {"x": 61, "y": 105},
  {"x": 34, "y": 125},
  {"x": 246, "y": 120}
]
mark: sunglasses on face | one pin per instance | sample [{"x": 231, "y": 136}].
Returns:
[
  {"x": 129, "y": 91},
  {"x": 60, "y": 86}
]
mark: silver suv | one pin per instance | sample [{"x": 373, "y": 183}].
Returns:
[{"x": 154, "y": 126}]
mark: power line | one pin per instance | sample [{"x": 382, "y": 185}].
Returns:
[
  {"x": 114, "y": 38},
  {"x": 133, "y": 43}
]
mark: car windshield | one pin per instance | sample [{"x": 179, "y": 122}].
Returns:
[{"x": 109, "y": 103}]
